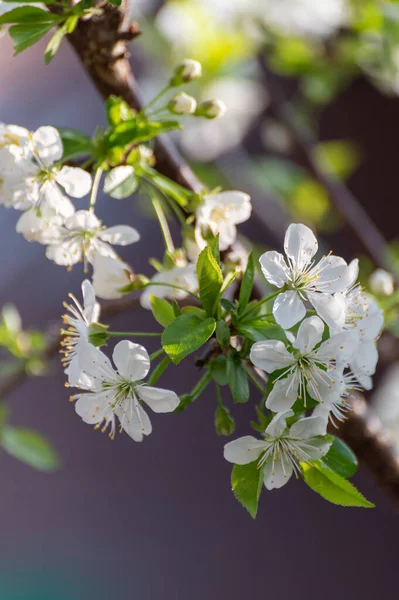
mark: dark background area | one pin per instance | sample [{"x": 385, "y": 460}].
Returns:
[{"x": 158, "y": 519}]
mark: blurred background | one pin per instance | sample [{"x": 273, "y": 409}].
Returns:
[{"x": 157, "y": 519}]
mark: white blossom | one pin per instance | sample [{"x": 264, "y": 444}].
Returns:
[
  {"x": 307, "y": 367},
  {"x": 39, "y": 224},
  {"x": 184, "y": 277},
  {"x": 82, "y": 237},
  {"x": 77, "y": 321},
  {"x": 189, "y": 69},
  {"x": 219, "y": 214},
  {"x": 110, "y": 276},
  {"x": 381, "y": 283},
  {"x": 212, "y": 109},
  {"x": 119, "y": 393},
  {"x": 305, "y": 281},
  {"x": 182, "y": 104},
  {"x": 29, "y": 175},
  {"x": 282, "y": 449}
]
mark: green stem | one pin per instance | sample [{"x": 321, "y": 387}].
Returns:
[
  {"x": 132, "y": 334},
  {"x": 254, "y": 381},
  {"x": 201, "y": 385},
  {"x": 156, "y": 98},
  {"x": 171, "y": 285},
  {"x": 159, "y": 370},
  {"x": 156, "y": 354},
  {"x": 163, "y": 223},
  {"x": 258, "y": 304},
  {"x": 218, "y": 395},
  {"x": 94, "y": 189}
]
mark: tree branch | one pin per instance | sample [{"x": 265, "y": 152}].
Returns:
[{"x": 100, "y": 43}]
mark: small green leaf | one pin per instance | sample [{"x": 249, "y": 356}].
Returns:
[
  {"x": 222, "y": 334},
  {"x": 224, "y": 422},
  {"x": 246, "y": 483},
  {"x": 120, "y": 182},
  {"x": 185, "y": 335},
  {"x": 27, "y": 34},
  {"x": 29, "y": 14},
  {"x": 238, "y": 379},
  {"x": 54, "y": 44},
  {"x": 137, "y": 131},
  {"x": 118, "y": 111},
  {"x": 75, "y": 143},
  {"x": 162, "y": 310},
  {"x": 332, "y": 486},
  {"x": 218, "y": 370},
  {"x": 29, "y": 447},
  {"x": 210, "y": 280},
  {"x": 247, "y": 284},
  {"x": 262, "y": 330},
  {"x": 341, "y": 459}
]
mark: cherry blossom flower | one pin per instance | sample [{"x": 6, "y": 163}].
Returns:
[
  {"x": 30, "y": 176},
  {"x": 77, "y": 321},
  {"x": 305, "y": 281},
  {"x": 307, "y": 367},
  {"x": 82, "y": 236},
  {"x": 335, "y": 407},
  {"x": 381, "y": 283},
  {"x": 39, "y": 224},
  {"x": 184, "y": 277},
  {"x": 282, "y": 449},
  {"x": 119, "y": 393},
  {"x": 110, "y": 276},
  {"x": 220, "y": 213}
]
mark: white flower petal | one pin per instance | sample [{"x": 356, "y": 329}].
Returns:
[
  {"x": 332, "y": 274},
  {"x": 278, "y": 423},
  {"x": 131, "y": 360},
  {"x": 120, "y": 234},
  {"x": 310, "y": 333},
  {"x": 96, "y": 368},
  {"x": 159, "y": 400},
  {"x": 54, "y": 199},
  {"x": 366, "y": 358},
  {"x": 75, "y": 181},
  {"x": 284, "y": 393},
  {"x": 134, "y": 420},
  {"x": 48, "y": 145},
  {"x": 288, "y": 309},
  {"x": 94, "y": 408},
  {"x": 271, "y": 355},
  {"x": 65, "y": 254},
  {"x": 300, "y": 245},
  {"x": 277, "y": 473},
  {"x": 339, "y": 348},
  {"x": 91, "y": 306},
  {"x": 110, "y": 275},
  {"x": 274, "y": 268},
  {"x": 307, "y": 428},
  {"x": 243, "y": 451},
  {"x": 83, "y": 220},
  {"x": 329, "y": 308}
]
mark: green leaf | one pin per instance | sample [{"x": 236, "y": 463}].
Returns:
[
  {"x": 238, "y": 379},
  {"x": 222, "y": 334},
  {"x": 136, "y": 131},
  {"x": 262, "y": 330},
  {"x": 118, "y": 111},
  {"x": 224, "y": 422},
  {"x": 332, "y": 486},
  {"x": 162, "y": 310},
  {"x": 75, "y": 143},
  {"x": 341, "y": 459},
  {"x": 218, "y": 369},
  {"x": 185, "y": 335},
  {"x": 54, "y": 44},
  {"x": 246, "y": 483},
  {"x": 247, "y": 284},
  {"x": 29, "y": 447},
  {"x": 120, "y": 182},
  {"x": 29, "y": 14},
  {"x": 210, "y": 280},
  {"x": 27, "y": 34}
]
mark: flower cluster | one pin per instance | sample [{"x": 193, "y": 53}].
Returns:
[{"x": 319, "y": 364}]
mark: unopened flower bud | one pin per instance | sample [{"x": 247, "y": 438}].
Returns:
[
  {"x": 211, "y": 109},
  {"x": 381, "y": 283},
  {"x": 182, "y": 104},
  {"x": 188, "y": 70}
]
